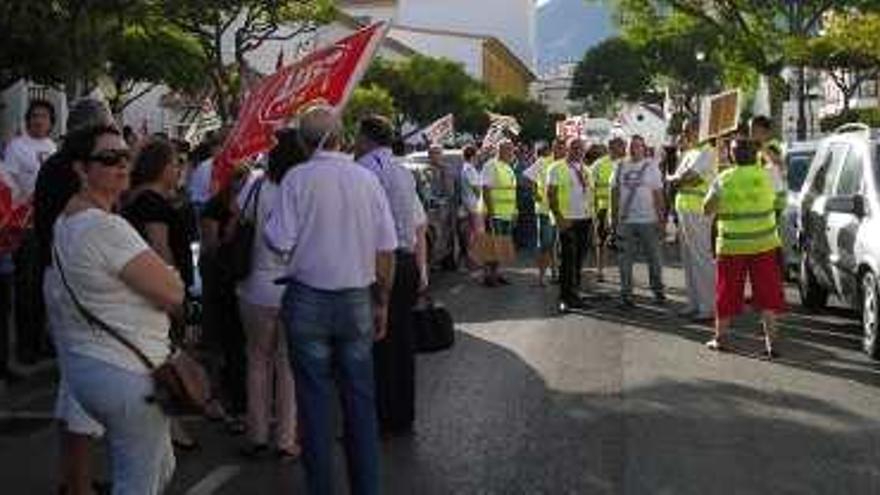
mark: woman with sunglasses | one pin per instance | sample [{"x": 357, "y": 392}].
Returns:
[{"x": 102, "y": 266}]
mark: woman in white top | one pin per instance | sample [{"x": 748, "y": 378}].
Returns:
[
  {"x": 259, "y": 303},
  {"x": 114, "y": 274}
]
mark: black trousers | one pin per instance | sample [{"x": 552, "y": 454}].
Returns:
[
  {"x": 32, "y": 340},
  {"x": 574, "y": 244},
  {"x": 5, "y": 313},
  {"x": 394, "y": 357}
]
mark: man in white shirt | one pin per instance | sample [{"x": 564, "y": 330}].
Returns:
[
  {"x": 637, "y": 217},
  {"x": 394, "y": 356},
  {"x": 25, "y": 155},
  {"x": 333, "y": 222},
  {"x": 695, "y": 172},
  {"x": 571, "y": 201},
  {"x": 472, "y": 199}
]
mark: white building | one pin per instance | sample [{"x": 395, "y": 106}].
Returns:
[
  {"x": 493, "y": 39},
  {"x": 552, "y": 90}
]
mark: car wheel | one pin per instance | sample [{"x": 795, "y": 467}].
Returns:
[
  {"x": 813, "y": 295},
  {"x": 870, "y": 314}
]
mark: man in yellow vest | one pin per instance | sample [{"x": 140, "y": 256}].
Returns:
[
  {"x": 499, "y": 198},
  {"x": 537, "y": 177},
  {"x": 601, "y": 173},
  {"x": 570, "y": 198},
  {"x": 695, "y": 171},
  {"x": 748, "y": 240}
]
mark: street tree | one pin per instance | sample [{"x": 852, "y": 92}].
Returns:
[
  {"x": 243, "y": 26},
  {"x": 848, "y": 51},
  {"x": 537, "y": 123},
  {"x": 149, "y": 54},
  {"x": 615, "y": 69},
  {"x": 367, "y": 100},
  {"x": 426, "y": 88}
]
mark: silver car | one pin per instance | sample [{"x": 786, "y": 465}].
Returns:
[{"x": 798, "y": 157}]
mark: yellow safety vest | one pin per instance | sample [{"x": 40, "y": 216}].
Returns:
[
  {"x": 542, "y": 204},
  {"x": 503, "y": 190},
  {"x": 746, "y": 218},
  {"x": 565, "y": 185},
  {"x": 602, "y": 171},
  {"x": 689, "y": 199}
]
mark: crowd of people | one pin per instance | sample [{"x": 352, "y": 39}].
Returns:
[{"x": 128, "y": 234}]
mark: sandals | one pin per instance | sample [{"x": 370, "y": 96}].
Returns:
[{"x": 716, "y": 345}]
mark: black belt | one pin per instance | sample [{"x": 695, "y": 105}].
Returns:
[{"x": 404, "y": 253}]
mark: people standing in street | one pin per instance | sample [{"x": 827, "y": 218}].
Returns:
[
  {"x": 742, "y": 199},
  {"x": 499, "y": 197},
  {"x": 472, "y": 199},
  {"x": 394, "y": 356},
  {"x": 537, "y": 176},
  {"x": 637, "y": 213},
  {"x": 770, "y": 157},
  {"x": 269, "y": 376},
  {"x": 333, "y": 222},
  {"x": 601, "y": 173},
  {"x": 571, "y": 201},
  {"x": 692, "y": 177},
  {"x": 21, "y": 272},
  {"x": 102, "y": 266}
]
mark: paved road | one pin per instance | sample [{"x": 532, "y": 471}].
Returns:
[{"x": 605, "y": 402}]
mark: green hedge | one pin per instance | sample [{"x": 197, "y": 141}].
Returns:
[{"x": 869, "y": 116}]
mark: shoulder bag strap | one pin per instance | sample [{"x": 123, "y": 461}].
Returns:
[
  {"x": 632, "y": 191},
  {"x": 97, "y": 322}
]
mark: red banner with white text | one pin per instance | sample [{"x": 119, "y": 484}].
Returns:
[{"x": 325, "y": 76}]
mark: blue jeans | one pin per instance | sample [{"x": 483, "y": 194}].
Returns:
[
  {"x": 330, "y": 335},
  {"x": 137, "y": 432}
]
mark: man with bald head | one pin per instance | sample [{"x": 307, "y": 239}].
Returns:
[
  {"x": 499, "y": 198},
  {"x": 333, "y": 223}
]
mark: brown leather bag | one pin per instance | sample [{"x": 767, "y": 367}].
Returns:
[{"x": 180, "y": 384}]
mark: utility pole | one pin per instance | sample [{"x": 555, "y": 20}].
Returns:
[{"x": 796, "y": 28}]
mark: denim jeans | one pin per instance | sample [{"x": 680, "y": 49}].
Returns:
[
  {"x": 137, "y": 432},
  {"x": 330, "y": 334},
  {"x": 632, "y": 237}
]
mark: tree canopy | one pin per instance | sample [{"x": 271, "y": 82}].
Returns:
[{"x": 615, "y": 69}]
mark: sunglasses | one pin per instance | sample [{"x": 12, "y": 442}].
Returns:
[{"x": 110, "y": 158}]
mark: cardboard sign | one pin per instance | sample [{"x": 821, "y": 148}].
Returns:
[{"x": 719, "y": 114}]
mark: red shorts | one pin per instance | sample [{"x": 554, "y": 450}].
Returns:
[{"x": 764, "y": 277}]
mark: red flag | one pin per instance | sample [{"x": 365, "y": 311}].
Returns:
[{"x": 324, "y": 76}]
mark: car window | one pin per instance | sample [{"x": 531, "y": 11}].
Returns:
[
  {"x": 850, "y": 180},
  {"x": 797, "y": 165},
  {"x": 818, "y": 184},
  {"x": 838, "y": 154}
]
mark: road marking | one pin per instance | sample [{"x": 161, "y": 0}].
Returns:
[{"x": 214, "y": 480}]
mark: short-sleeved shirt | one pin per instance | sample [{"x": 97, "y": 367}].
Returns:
[
  {"x": 332, "y": 216},
  {"x": 259, "y": 287},
  {"x": 199, "y": 188},
  {"x": 700, "y": 161},
  {"x": 400, "y": 190},
  {"x": 471, "y": 185},
  {"x": 94, "y": 246},
  {"x": 24, "y": 157},
  {"x": 151, "y": 207},
  {"x": 580, "y": 202},
  {"x": 629, "y": 180}
]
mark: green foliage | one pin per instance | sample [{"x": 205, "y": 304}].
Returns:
[
  {"x": 536, "y": 122},
  {"x": 155, "y": 53},
  {"x": 250, "y": 24},
  {"x": 869, "y": 116},
  {"x": 426, "y": 88},
  {"x": 612, "y": 70},
  {"x": 364, "y": 101}
]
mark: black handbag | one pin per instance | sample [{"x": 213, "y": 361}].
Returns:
[
  {"x": 237, "y": 253},
  {"x": 433, "y": 327}
]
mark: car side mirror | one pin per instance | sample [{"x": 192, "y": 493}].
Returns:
[{"x": 853, "y": 205}]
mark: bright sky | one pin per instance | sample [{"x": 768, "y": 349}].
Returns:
[{"x": 542, "y": 2}]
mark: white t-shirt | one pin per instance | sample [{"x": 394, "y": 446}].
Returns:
[
  {"x": 470, "y": 179},
  {"x": 259, "y": 287},
  {"x": 580, "y": 200},
  {"x": 24, "y": 157},
  {"x": 94, "y": 246},
  {"x": 626, "y": 179}
]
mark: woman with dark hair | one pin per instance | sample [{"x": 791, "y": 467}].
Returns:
[
  {"x": 101, "y": 265},
  {"x": 149, "y": 208},
  {"x": 259, "y": 303}
]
